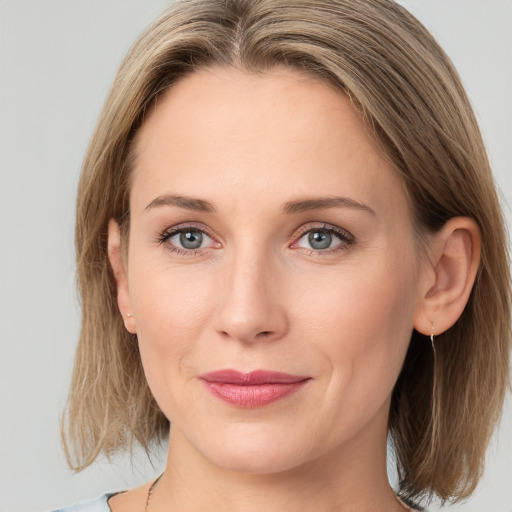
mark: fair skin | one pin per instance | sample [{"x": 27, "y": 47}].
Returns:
[{"x": 278, "y": 275}]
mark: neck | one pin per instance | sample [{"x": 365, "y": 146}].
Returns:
[{"x": 353, "y": 478}]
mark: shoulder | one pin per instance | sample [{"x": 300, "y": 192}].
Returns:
[
  {"x": 99, "y": 504},
  {"x": 133, "y": 500}
]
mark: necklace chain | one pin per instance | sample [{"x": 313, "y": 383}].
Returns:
[{"x": 152, "y": 489}]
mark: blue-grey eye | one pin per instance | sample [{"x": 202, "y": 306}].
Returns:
[
  {"x": 183, "y": 239},
  {"x": 191, "y": 239},
  {"x": 320, "y": 239}
]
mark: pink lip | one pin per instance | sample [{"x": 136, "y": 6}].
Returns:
[{"x": 253, "y": 389}]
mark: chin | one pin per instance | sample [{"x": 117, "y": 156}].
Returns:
[
  {"x": 257, "y": 452},
  {"x": 260, "y": 462}
]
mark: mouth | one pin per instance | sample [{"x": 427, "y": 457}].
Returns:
[{"x": 252, "y": 389}]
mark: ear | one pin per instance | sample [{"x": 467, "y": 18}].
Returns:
[
  {"x": 449, "y": 276},
  {"x": 118, "y": 267}
]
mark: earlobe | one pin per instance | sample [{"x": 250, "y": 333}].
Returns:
[
  {"x": 118, "y": 268},
  {"x": 455, "y": 257}
]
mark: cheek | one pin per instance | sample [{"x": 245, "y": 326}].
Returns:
[
  {"x": 169, "y": 301},
  {"x": 357, "y": 326},
  {"x": 362, "y": 318},
  {"x": 172, "y": 309}
]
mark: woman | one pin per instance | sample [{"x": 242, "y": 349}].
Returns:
[{"x": 246, "y": 277}]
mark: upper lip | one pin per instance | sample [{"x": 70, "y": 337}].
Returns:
[{"x": 252, "y": 378}]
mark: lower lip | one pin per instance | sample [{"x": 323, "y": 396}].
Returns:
[{"x": 250, "y": 397}]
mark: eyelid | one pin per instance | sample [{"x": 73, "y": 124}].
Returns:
[
  {"x": 164, "y": 236},
  {"x": 306, "y": 228},
  {"x": 347, "y": 239}
]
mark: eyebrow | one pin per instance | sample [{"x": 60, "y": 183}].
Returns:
[
  {"x": 304, "y": 205},
  {"x": 188, "y": 203},
  {"x": 318, "y": 203}
]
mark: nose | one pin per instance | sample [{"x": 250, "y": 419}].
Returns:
[{"x": 249, "y": 308}]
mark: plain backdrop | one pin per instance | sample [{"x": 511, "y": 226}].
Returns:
[{"x": 57, "y": 59}]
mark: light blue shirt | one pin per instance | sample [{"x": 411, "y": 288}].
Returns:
[{"x": 95, "y": 505}]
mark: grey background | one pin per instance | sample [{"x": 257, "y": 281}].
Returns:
[{"x": 57, "y": 59}]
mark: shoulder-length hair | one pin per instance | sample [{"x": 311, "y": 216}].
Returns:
[{"x": 408, "y": 92}]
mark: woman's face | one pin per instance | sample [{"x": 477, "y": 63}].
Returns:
[{"x": 268, "y": 234}]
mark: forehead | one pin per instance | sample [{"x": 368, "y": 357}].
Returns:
[
  {"x": 226, "y": 129},
  {"x": 273, "y": 104}
]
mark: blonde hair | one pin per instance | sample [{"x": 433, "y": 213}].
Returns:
[{"x": 409, "y": 93}]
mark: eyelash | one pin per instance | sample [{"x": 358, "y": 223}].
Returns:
[
  {"x": 170, "y": 232},
  {"x": 346, "y": 238}
]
